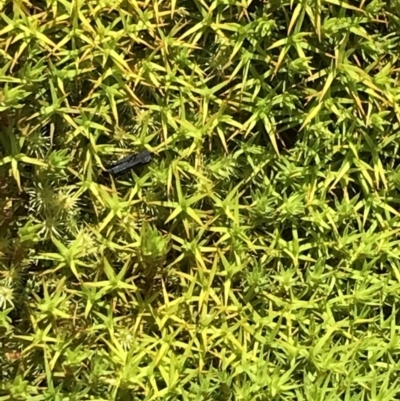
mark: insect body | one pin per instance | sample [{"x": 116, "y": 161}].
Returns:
[{"x": 129, "y": 162}]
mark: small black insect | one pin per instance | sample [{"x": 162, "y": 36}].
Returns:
[{"x": 129, "y": 162}]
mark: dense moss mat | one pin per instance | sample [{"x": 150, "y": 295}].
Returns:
[{"x": 256, "y": 257}]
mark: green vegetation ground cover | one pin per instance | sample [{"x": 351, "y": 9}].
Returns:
[{"x": 257, "y": 257}]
